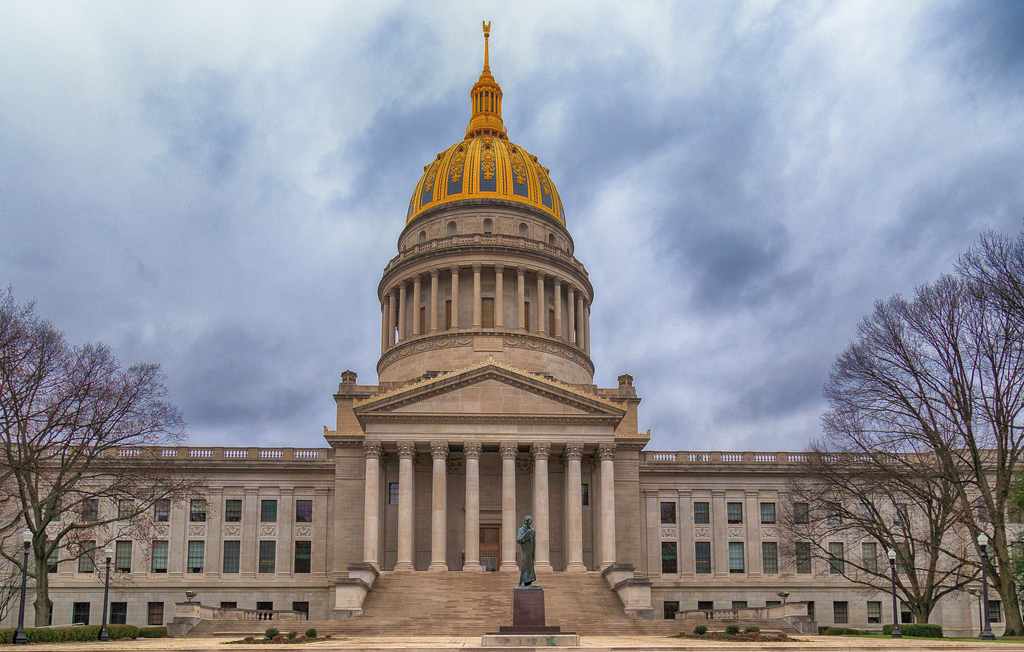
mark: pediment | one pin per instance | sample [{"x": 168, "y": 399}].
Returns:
[{"x": 488, "y": 392}]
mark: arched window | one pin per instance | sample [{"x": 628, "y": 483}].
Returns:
[
  {"x": 452, "y": 228},
  {"x": 423, "y": 237},
  {"x": 488, "y": 225},
  {"x": 524, "y": 231},
  {"x": 551, "y": 239}
]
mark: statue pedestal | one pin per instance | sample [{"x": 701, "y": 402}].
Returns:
[{"x": 528, "y": 628}]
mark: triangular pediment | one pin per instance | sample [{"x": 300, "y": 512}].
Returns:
[{"x": 489, "y": 392}]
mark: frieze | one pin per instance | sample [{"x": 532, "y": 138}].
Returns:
[
  {"x": 268, "y": 530},
  {"x": 303, "y": 531},
  {"x": 735, "y": 532},
  {"x": 232, "y": 530},
  {"x": 196, "y": 530},
  {"x": 405, "y": 349},
  {"x": 668, "y": 533},
  {"x": 702, "y": 532},
  {"x": 161, "y": 530},
  {"x": 567, "y": 352}
]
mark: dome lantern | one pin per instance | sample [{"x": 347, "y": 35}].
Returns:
[{"x": 486, "y": 99}]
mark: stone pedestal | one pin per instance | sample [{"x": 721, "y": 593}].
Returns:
[{"x": 528, "y": 628}]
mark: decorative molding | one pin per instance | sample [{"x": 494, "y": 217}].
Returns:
[
  {"x": 373, "y": 449},
  {"x": 472, "y": 449},
  {"x": 196, "y": 530},
  {"x": 702, "y": 532},
  {"x": 439, "y": 449},
  {"x": 232, "y": 530},
  {"x": 407, "y": 450},
  {"x": 303, "y": 531},
  {"x": 668, "y": 533},
  {"x": 768, "y": 533},
  {"x": 268, "y": 530},
  {"x": 508, "y": 450},
  {"x": 735, "y": 533}
]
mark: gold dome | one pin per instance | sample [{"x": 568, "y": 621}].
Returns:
[{"x": 486, "y": 164}]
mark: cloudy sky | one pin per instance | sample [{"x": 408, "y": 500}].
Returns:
[{"x": 217, "y": 186}]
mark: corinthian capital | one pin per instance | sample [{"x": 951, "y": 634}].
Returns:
[
  {"x": 407, "y": 449},
  {"x": 574, "y": 450},
  {"x": 439, "y": 449},
  {"x": 509, "y": 450},
  {"x": 606, "y": 452},
  {"x": 373, "y": 449}
]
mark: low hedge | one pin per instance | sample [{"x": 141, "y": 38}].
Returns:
[
  {"x": 842, "y": 631},
  {"x": 923, "y": 630},
  {"x": 68, "y": 634},
  {"x": 152, "y": 632}
]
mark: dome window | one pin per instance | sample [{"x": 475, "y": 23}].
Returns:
[
  {"x": 453, "y": 228},
  {"x": 524, "y": 230},
  {"x": 488, "y": 225},
  {"x": 551, "y": 239},
  {"x": 423, "y": 237}
]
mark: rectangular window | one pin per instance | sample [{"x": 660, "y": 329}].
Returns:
[
  {"x": 125, "y": 509},
  {"x": 736, "y": 557},
  {"x": 423, "y": 319},
  {"x": 392, "y": 493},
  {"x": 840, "y": 613},
  {"x": 196, "y": 556},
  {"x": 162, "y": 510},
  {"x": 268, "y": 511},
  {"x": 268, "y": 556},
  {"x": 159, "y": 563},
  {"x": 705, "y": 605},
  {"x": 232, "y": 554},
  {"x": 448, "y": 314},
  {"x": 551, "y": 321},
  {"x": 702, "y": 557},
  {"x": 229, "y": 605},
  {"x": 869, "y": 556},
  {"x": 52, "y": 561},
  {"x": 735, "y": 513},
  {"x": 301, "y": 607},
  {"x": 769, "y": 557},
  {"x": 585, "y": 493},
  {"x": 487, "y": 312},
  {"x": 995, "y": 611},
  {"x": 90, "y": 509},
  {"x": 801, "y": 513},
  {"x": 668, "y": 558},
  {"x": 772, "y": 603},
  {"x": 197, "y": 511},
  {"x": 864, "y": 510},
  {"x": 118, "y": 613},
  {"x": 701, "y": 513},
  {"x": 904, "y": 554},
  {"x": 874, "y": 612},
  {"x": 836, "y": 565},
  {"x": 768, "y": 513},
  {"x": 303, "y": 511},
  {"x": 303, "y": 556},
  {"x": 906, "y": 615},
  {"x": 156, "y": 614},
  {"x": 232, "y": 511},
  {"x": 80, "y": 613},
  {"x": 833, "y": 514},
  {"x": 526, "y": 315},
  {"x": 123, "y": 557},
  {"x": 668, "y": 513},
  {"x": 899, "y": 514},
  {"x": 803, "y": 557},
  {"x": 265, "y": 605},
  {"x": 85, "y": 559},
  {"x": 739, "y": 604},
  {"x": 670, "y": 609}
]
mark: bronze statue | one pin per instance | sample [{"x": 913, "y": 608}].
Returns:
[{"x": 527, "y": 539}]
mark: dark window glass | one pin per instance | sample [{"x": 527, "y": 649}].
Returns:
[
  {"x": 668, "y": 558},
  {"x": 701, "y": 513},
  {"x": 159, "y": 563},
  {"x": 303, "y": 511},
  {"x": 840, "y": 613},
  {"x": 768, "y": 513},
  {"x": 900, "y": 514},
  {"x": 232, "y": 511},
  {"x": 702, "y": 556},
  {"x": 156, "y": 614},
  {"x": 736, "y": 557},
  {"x": 265, "y": 605},
  {"x": 801, "y": 513},
  {"x": 268, "y": 511},
  {"x": 232, "y": 553},
  {"x": 668, "y": 513},
  {"x": 229, "y": 605},
  {"x": 671, "y": 609},
  {"x": 585, "y": 492},
  {"x": 393, "y": 493},
  {"x": 995, "y": 611},
  {"x": 85, "y": 559},
  {"x": 874, "y": 612},
  {"x": 268, "y": 556},
  {"x": 906, "y": 615},
  {"x": 123, "y": 557},
  {"x": 869, "y": 556},
  {"x": 90, "y": 509},
  {"x": 769, "y": 557},
  {"x": 836, "y": 565},
  {"x": 833, "y": 514},
  {"x": 52, "y": 561},
  {"x": 705, "y": 605},
  {"x": 162, "y": 510},
  {"x": 302, "y": 607},
  {"x": 118, "y": 613},
  {"x": 80, "y": 613},
  {"x": 735, "y": 513},
  {"x": 125, "y": 509},
  {"x": 303, "y": 555},
  {"x": 739, "y": 604},
  {"x": 803, "y": 557},
  {"x": 196, "y": 556},
  {"x": 197, "y": 511}
]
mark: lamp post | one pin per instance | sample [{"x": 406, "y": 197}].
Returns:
[
  {"x": 19, "y": 635},
  {"x": 104, "y": 636},
  {"x": 986, "y": 631},
  {"x": 895, "y": 613}
]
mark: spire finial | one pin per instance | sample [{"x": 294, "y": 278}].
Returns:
[
  {"x": 487, "y": 40},
  {"x": 486, "y": 98}
]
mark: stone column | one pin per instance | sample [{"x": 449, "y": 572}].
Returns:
[
  {"x": 417, "y": 327},
  {"x": 607, "y": 454},
  {"x": 439, "y": 495},
  {"x": 684, "y": 516},
  {"x": 521, "y": 290},
  {"x": 541, "y": 511},
  {"x": 719, "y": 535},
  {"x": 392, "y": 318},
  {"x": 652, "y": 514},
  {"x": 371, "y": 503},
  {"x": 542, "y": 321},
  {"x": 433, "y": 300},
  {"x": 586, "y": 329},
  {"x": 213, "y": 553},
  {"x": 580, "y": 330},
  {"x": 455, "y": 297},
  {"x": 406, "y": 457},
  {"x": 509, "y": 527},
  {"x": 558, "y": 309},
  {"x": 383, "y": 326},
  {"x": 477, "y": 310},
  {"x": 401, "y": 309},
  {"x": 753, "y": 544},
  {"x": 250, "y": 533},
  {"x": 285, "y": 531},
  {"x": 499, "y": 296},
  {"x": 571, "y": 302},
  {"x": 574, "y": 504},
  {"x": 472, "y": 451}
]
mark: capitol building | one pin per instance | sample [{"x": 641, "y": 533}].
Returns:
[{"x": 484, "y": 410}]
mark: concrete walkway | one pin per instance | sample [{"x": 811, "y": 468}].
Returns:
[{"x": 590, "y": 643}]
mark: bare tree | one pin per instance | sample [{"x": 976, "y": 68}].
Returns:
[
  {"x": 10, "y": 587},
  {"x": 943, "y": 373},
  {"x": 73, "y": 461}
]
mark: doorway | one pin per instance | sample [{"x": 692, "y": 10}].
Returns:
[{"x": 490, "y": 548}]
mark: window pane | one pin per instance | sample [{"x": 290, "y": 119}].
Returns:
[
  {"x": 668, "y": 513},
  {"x": 702, "y": 556},
  {"x": 801, "y": 513},
  {"x": 303, "y": 511},
  {"x": 197, "y": 511},
  {"x": 739, "y": 604},
  {"x": 268, "y": 556},
  {"x": 585, "y": 492},
  {"x": 303, "y": 555},
  {"x": 770, "y": 557},
  {"x": 869, "y": 556},
  {"x": 125, "y": 508},
  {"x": 232, "y": 511},
  {"x": 196, "y": 554},
  {"x": 874, "y": 612},
  {"x": 840, "y": 613},
  {"x": 123, "y": 557},
  {"x": 668, "y": 557},
  {"x": 302, "y": 607},
  {"x": 80, "y": 613},
  {"x": 118, "y": 613},
  {"x": 159, "y": 557},
  {"x": 995, "y": 611},
  {"x": 671, "y": 608},
  {"x": 767, "y": 513},
  {"x": 835, "y": 558},
  {"x": 833, "y": 513},
  {"x": 803, "y": 557},
  {"x": 162, "y": 510},
  {"x": 701, "y": 513},
  {"x": 899, "y": 514},
  {"x": 705, "y": 605},
  {"x": 735, "y": 511},
  {"x": 52, "y": 561},
  {"x": 268, "y": 511},
  {"x": 90, "y": 509},
  {"x": 232, "y": 553},
  {"x": 393, "y": 493},
  {"x": 85, "y": 560},
  {"x": 735, "y": 556},
  {"x": 156, "y": 613},
  {"x": 487, "y": 312}
]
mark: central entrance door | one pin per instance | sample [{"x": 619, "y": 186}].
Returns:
[{"x": 490, "y": 547}]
